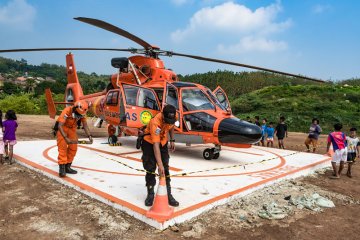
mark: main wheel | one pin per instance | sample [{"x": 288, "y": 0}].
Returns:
[
  {"x": 208, "y": 154},
  {"x": 216, "y": 155},
  {"x": 112, "y": 139}
]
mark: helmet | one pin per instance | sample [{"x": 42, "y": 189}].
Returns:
[{"x": 81, "y": 107}]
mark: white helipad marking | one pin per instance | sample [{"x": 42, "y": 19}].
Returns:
[{"x": 100, "y": 176}]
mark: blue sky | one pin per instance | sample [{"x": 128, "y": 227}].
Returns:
[{"x": 315, "y": 38}]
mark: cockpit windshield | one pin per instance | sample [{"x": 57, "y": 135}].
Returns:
[{"x": 194, "y": 99}]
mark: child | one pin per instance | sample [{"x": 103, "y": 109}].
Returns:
[
  {"x": 281, "y": 132},
  {"x": 338, "y": 140},
  {"x": 263, "y": 131},
  {"x": 9, "y": 126},
  {"x": 313, "y": 136},
  {"x": 353, "y": 149},
  {"x": 1, "y": 140},
  {"x": 270, "y": 135}
]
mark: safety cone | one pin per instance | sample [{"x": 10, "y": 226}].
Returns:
[{"x": 160, "y": 210}]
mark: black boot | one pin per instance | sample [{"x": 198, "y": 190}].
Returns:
[
  {"x": 172, "y": 201},
  {"x": 150, "y": 196},
  {"x": 69, "y": 170},
  {"x": 62, "y": 172}
]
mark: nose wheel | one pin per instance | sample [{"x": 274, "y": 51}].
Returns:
[{"x": 211, "y": 153}]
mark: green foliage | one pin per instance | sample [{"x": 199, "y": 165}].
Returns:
[{"x": 299, "y": 104}]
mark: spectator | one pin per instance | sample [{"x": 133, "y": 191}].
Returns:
[
  {"x": 2, "y": 146},
  {"x": 270, "y": 135},
  {"x": 353, "y": 149},
  {"x": 9, "y": 126},
  {"x": 257, "y": 122},
  {"x": 313, "y": 136},
  {"x": 281, "y": 132},
  {"x": 338, "y": 141},
  {"x": 248, "y": 119},
  {"x": 263, "y": 132}
]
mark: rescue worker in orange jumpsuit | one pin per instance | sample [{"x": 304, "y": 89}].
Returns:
[
  {"x": 67, "y": 139},
  {"x": 155, "y": 151}
]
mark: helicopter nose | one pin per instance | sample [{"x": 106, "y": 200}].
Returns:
[{"x": 234, "y": 130}]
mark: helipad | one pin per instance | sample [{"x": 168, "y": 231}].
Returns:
[{"x": 109, "y": 174}]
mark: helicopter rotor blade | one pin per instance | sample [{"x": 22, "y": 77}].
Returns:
[
  {"x": 243, "y": 65},
  {"x": 117, "y": 30},
  {"x": 63, "y": 49}
]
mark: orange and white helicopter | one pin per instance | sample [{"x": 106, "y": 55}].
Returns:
[{"x": 142, "y": 86}]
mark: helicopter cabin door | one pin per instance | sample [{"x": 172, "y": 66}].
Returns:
[
  {"x": 141, "y": 105},
  {"x": 222, "y": 97},
  {"x": 171, "y": 96},
  {"x": 114, "y": 107}
]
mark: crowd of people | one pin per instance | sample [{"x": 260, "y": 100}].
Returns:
[
  {"x": 7, "y": 136},
  {"x": 268, "y": 131},
  {"x": 345, "y": 148}
]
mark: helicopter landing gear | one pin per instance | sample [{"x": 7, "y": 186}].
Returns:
[
  {"x": 112, "y": 139},
  {"x": 212, "y": 153}
]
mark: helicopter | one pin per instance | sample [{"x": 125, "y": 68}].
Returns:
[{"x": 142, "y": 86}]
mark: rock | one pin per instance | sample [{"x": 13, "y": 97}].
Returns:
[
  {"x": 196, "y": 231},
  {"x": 174, "y": 228}
]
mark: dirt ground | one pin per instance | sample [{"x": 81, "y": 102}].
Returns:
[{"x": 33, "y": 206}]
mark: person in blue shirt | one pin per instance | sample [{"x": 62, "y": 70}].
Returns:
[
  {"x": 270, "y": 135},
  {"x": 263, "y": 132}
]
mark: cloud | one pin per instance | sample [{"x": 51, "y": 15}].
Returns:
[
  {"x": 251, "y": 44},
  {"x": 318, "y": 9},
  {"x": 17, "y": 14},
  {"x": 235, "y": 19}
]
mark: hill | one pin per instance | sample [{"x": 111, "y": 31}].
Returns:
[{"x": 299, "y": 104}]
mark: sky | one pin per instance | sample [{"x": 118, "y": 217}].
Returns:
[{"x": 315, "y": 38}]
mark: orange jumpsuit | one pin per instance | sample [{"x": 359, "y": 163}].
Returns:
[{"x": 67, "y": 152}]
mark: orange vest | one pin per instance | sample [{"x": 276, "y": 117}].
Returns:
[{"x": 158, "y": 130}]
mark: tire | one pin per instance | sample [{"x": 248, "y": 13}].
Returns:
[
  {"x": 208, "y": 154},
  {"x": 112, "y": 139},
  {"x": 216, "y": 155}
]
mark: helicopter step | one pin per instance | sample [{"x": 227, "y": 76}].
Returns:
[{"x": 212, "y": 153}]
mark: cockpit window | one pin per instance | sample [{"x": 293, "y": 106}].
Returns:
[
  {"x": 215, "y": 100},
  {"x": 171, "y": 97},
  {"x": 199, "y": 122},
  {"x": 194, "y": 99}
]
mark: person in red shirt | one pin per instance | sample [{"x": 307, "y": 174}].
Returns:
[
  {"x": 67, "y": 139},
  {"x": 338, "y": 141},
  {"x": 155, "y": 151}
]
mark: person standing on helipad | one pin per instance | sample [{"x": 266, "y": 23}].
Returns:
[
  {"x": 156, "y": 153},
  {"x": 67, "y": 139}
]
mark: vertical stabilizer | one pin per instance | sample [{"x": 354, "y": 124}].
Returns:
[{"x": 73, "y": 89}]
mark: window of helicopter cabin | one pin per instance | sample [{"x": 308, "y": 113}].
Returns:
[
  {"x": 172, "y": 97},
  {"x": 193, "y": 99},
  {"x": 222, "y": 98},
  {"x": 199, "y": 122},
  {"x": 214, "y": 99},
  {"x": 112, "y": 98},
  {"x": 140, "y": 97}
]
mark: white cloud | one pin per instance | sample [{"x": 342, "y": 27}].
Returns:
[
  {"x": 235, "y": 19},
  {"x": 318, "y": 9},
  {"x": 251, "y": 44},
  {"x": 17, "y": 14}
]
